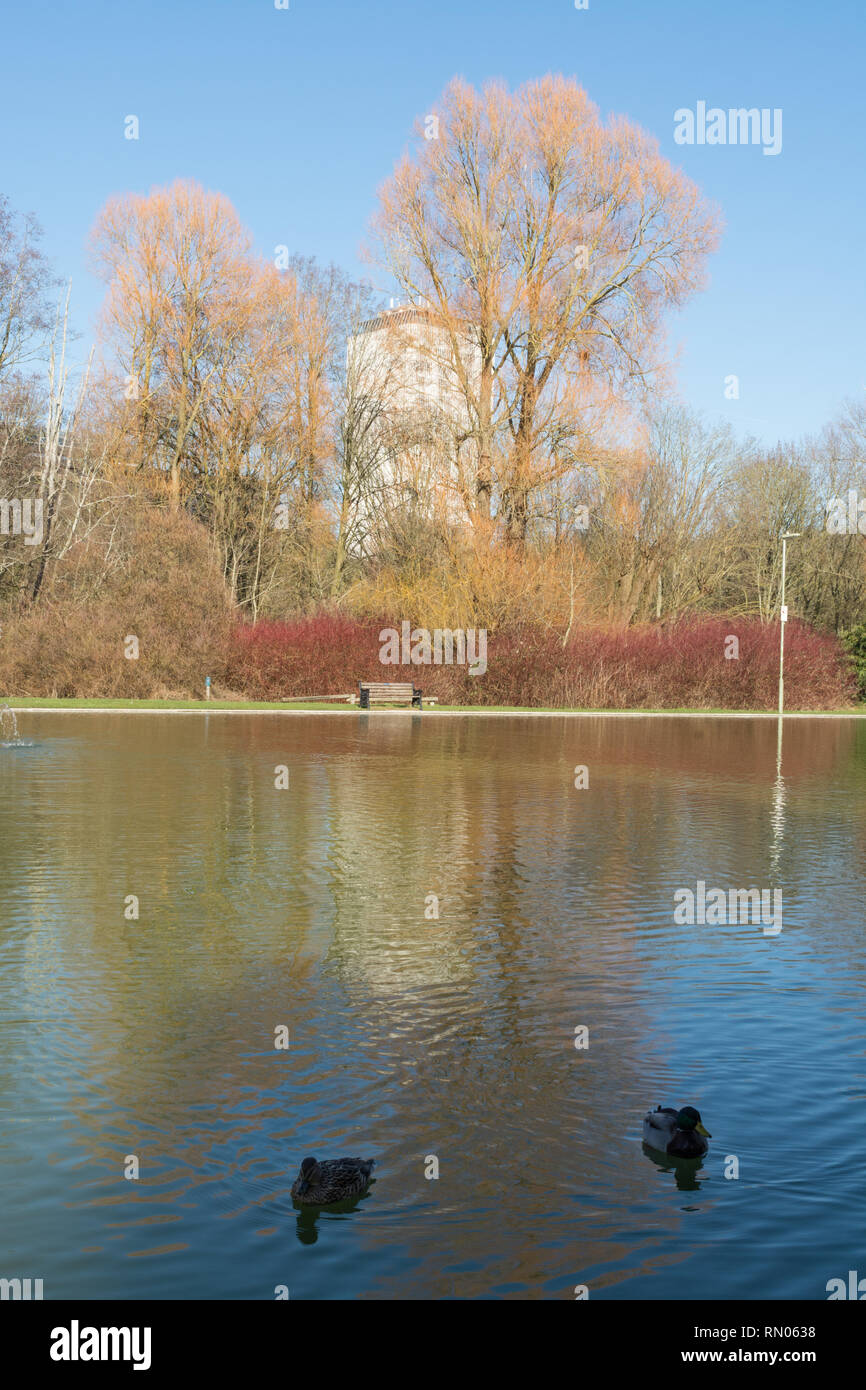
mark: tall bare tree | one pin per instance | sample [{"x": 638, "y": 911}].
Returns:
[
  {"x": 559, "y": 242},
  {"x": 25, "y": 284}
]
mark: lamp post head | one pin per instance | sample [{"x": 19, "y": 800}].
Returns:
[{"x": 791, "y": 535}]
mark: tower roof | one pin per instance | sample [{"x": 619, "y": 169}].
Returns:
[{"x": 402, "y": 314}]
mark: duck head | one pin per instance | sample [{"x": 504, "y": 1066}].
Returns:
[
  {"x": 689, "y": 1138},
  {"x": 307, "y": 1175},
  {"x": 689, "y": 1119}
]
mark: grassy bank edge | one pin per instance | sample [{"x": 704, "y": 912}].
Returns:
[{"x": 45, "y": 704}]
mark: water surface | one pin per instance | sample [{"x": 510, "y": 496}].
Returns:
[{"x": 414, "y": 1037}]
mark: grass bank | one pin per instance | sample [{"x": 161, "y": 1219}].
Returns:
[{"x": 45, "y": 704}]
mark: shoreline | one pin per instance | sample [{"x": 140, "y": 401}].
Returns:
[{"x": 448, "y": 711}]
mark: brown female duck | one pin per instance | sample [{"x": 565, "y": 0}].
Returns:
[{"x": 335, "y": 1180}]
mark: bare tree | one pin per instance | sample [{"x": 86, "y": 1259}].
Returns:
[
  {"x": 651, "y": 510},
  {"x": 559, "y": 242},
  {"x": 25, "y": 282}
]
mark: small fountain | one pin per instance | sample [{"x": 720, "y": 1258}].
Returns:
[{"x": 9, "y": 729}]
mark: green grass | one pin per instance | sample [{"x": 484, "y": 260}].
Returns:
[
  {"x": 288, "y": 706},
  {"x": 47, "y": 702}
]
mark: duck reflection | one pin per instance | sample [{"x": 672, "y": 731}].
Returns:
[
  {"x": 685, "y": 1170},
  {"x": 307, "y": 1227}
]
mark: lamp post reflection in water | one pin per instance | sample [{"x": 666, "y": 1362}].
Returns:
[
  {"x": 777, "y": 818},
  {"x": 777, "y": 815}
]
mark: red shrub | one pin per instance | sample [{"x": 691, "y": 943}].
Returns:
[
  {"x": 653, "y": 667},
  {"x": 324, "y": 655}
]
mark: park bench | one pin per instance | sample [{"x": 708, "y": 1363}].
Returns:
[{"x": 389, "y": 693}]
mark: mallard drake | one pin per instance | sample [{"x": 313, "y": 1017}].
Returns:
[
  {"x": 679, "y": 1133},
  {"x": 335, "y": 1180}
]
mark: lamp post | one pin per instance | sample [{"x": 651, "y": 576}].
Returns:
[{"x": 786, "y": 536}]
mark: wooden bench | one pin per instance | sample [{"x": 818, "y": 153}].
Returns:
[{"x": 389, "y": 693}]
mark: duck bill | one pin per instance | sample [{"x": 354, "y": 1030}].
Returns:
[
  {"x": 705, "y": 1132},
  {"x": 302, "y": 1187}
]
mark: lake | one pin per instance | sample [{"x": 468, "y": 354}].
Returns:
[{"x": 477, "y": 965}]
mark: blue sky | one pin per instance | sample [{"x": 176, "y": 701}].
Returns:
[{"x": 298, "y": 115}]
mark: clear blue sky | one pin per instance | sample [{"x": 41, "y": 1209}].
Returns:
[{"x": 298, "y": 115}]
